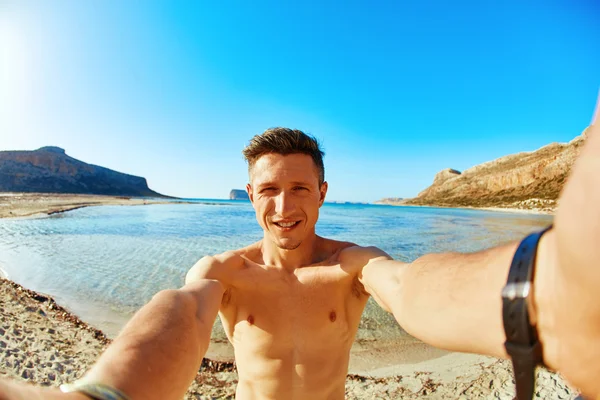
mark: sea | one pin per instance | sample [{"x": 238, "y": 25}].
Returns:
[{"x": 104, "y": 263}]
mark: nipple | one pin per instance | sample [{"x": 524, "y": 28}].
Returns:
[
  {"x": 250, "y": 319},
  {"x": 332, "y": 316}
]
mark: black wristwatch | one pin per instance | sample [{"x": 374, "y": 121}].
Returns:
[{"x": 522, "y": 342}]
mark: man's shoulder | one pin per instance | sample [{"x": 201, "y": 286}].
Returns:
[
  {"x": 218, "y": 266},
  {"x": 349, "y": 251},
  {"x": 230, "y": 258},
  {"x": 361, "y": 255}
]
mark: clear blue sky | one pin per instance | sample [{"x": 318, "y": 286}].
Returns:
[{"x": 396, "y": 91}]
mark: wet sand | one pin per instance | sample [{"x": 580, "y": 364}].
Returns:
[
  {"x": 507, "y": 209},
  {"x": 15, "y": 205}
]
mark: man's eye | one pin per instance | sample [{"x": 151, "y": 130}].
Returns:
[
  {"x": 268, "y": 189},
  {"x": 300, "y": 188}
]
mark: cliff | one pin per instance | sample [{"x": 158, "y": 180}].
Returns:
[
  {"x": 237, "y": 194},
  {"x": 51, "y": 170},
  {"x": 529, "y": 180}
]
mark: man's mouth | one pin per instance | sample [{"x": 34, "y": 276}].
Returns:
[{"x": 286, "y": 224}]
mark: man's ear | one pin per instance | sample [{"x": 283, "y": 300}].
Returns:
[
  {"x": 323, "y": 193},
  {"x": 250, "y": 193}
]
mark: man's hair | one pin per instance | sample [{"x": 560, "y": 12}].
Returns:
[{"x": 284, "y": 141}]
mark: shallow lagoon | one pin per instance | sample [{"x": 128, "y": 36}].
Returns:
[{"x": 103, "y": 263}]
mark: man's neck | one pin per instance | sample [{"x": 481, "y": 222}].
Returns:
[{"x": 290, "y": 260}]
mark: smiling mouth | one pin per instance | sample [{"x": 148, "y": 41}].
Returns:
[{"x": 286, "y": 225}]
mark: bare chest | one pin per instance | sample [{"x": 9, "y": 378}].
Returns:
[{"x": 317, "y": 307}]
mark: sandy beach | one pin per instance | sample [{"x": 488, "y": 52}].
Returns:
[
  {"x": 44, "y": 343},
  {"x": 507, "y": 209},
  {"x": 41, "y": 342},
  {"x": 14, "y": 205}
]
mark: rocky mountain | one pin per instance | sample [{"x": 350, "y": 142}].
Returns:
[
  {"x": 238, "y": 194},
  {"x": 51, "y": 170},
  {"x": 525, "y": 180}
]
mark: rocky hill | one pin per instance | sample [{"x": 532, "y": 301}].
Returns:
[
  {"x": 238, "y": 194},
  {"x": 529, "y": 180},
  {"x": 51, "y": 170},
  {"x": 390, "y": 200}
]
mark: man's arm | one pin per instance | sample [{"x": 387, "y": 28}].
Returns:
[
  {"x": 451, "y": 301},
  {"x": 158, "y": 353}
]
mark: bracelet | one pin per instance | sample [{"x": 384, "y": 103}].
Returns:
[
  {"x": 96, "y": 391},
  {"x": 522, "y": 342}
]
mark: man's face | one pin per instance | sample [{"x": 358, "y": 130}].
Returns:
[{"x": 286, "y": 196}]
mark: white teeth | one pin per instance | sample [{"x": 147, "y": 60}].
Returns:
[{"x": 286, "y": 224}]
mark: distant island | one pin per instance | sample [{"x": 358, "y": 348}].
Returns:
[
  {"x": 238, "y": 194},
  {"x": 528, "y": 180},
  {"x": 50, "y": 170},
  {"x": 390, "y": 200},
  {"x": 346, "y": 202}
]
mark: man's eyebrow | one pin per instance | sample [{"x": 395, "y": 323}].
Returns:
[
  {"x": 295, "y": 183},
  {"x": 263, "y": 184}
]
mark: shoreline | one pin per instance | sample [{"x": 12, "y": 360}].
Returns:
[
  {"x": 38, "y": 205},
  {"x": 533, "y": 211},
  {"x": 44, "y": 343}
]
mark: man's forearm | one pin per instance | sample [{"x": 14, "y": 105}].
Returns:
[
  {"x": 158, "y": 353},
  {"x": 451, "y": 301}
]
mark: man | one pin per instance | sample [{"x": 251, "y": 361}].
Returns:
[
  {"x": 291, "y": 303},
  {"x": 293, "y": 300}
]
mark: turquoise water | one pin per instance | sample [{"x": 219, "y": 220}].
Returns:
[{"x": 105, "y": 262}]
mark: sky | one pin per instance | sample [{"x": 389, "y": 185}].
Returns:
[{"x": 395, "y": 91}]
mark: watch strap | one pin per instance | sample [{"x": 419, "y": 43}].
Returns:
[
  {"x": 96, "y": 391},
  {"x": 522, "y": 342}
]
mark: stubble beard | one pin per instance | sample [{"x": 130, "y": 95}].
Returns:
[
  {"x": 286, "y": 243},
  {"x": 290, "y": 246}
]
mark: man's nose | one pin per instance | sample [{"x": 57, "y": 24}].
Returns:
[{"x": 284, "y": 204}]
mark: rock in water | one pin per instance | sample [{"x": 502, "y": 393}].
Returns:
[{"x": 238, "y": 194}]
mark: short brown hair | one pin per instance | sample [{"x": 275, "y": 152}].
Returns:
[{"x": 285, "y": 141}]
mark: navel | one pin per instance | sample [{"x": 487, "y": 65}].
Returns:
[
  {"x": 332, "y": 316},
  {"x": 250, "y": 319}
]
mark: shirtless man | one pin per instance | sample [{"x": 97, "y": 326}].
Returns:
[
  {"x": 293, "y": 300},
  {"x": 291, "y": 303}
]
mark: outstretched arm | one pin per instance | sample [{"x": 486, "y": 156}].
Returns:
[
  {"x": 158, "y": 353},
  {"x": 450, "y": 301},
  {"x": 453, "y": 301}
]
